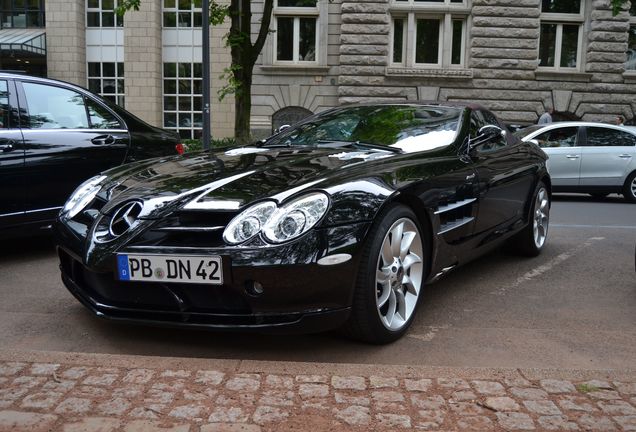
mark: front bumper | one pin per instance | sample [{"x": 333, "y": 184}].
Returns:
[{"x": 298, "y": 294}]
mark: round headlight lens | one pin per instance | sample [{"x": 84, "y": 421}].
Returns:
[
  {"x": 82, "y": 196},
  {"x": 248, "y": 223},
  {"x": 296, "y": 218}
]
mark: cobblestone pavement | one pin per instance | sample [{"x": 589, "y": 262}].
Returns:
[{"x": 42, "y": 391}]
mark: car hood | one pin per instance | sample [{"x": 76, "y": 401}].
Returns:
[{"x": 230, "y": 179}]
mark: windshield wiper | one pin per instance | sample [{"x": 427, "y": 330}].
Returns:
[{"x": 357, "y": 144}]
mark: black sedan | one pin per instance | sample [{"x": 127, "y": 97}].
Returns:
[
  {"x": 339, "y": 221},
  {"x": 53, "y": 136}
]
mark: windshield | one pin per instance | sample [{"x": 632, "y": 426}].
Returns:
[
  {"x": 521, "y": 133},
  {"x": 409, "y": 128}
]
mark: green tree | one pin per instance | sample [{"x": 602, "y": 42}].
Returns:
[{"x": 244, "y": 53}]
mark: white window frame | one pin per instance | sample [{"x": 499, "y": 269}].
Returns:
[
  {"x": 296, "y": 13},
  {"x": 193, "y": 10},
  {"x": 561, "y": 19},
  {"x": 192, "y": 78},
  {"x": 120, "y": 97},
  {"x": 446, "y": 13},
  {"x": 100, "y": 10}
]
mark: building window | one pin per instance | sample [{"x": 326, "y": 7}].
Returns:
[
  {"x": 630, "y": 65},
  {"x": 429, "y": 33},
  {"x": 107, "y": 80},
  {"x": 296, "y": 25},
  {"x": 561, "y": 34},
  {"x": 101, "y": 13},
  {"x": 21, "y": 13},
  {"x": 182, "y": 98},
  {"x": 182, "y": 13}
]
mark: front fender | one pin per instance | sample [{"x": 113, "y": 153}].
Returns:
[{"x": 357, "y": 201}]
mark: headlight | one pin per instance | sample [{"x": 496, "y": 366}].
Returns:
[
  {"x": 278, "y": 225},
  {"x": 296, "y": 218},
  {"x": 82, "y": 196},
  {"x": 249, "y": 223}
]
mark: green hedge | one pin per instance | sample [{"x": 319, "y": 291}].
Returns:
[{"x": 193, "y": 145}]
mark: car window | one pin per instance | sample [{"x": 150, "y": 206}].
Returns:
[
  {"x": 560, "y": 137},
  {"x": 5, "y": 108},
  {"x": 53, "y": 107},
  {"x": 606, "y": 137},
  {"x": 100, "y": 117}
]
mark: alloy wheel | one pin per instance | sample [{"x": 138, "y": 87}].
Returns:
[
  {"x": 399, "y": 274},
  {"x": 633, "y": 187},
  {"x": 541, "y": 217}
]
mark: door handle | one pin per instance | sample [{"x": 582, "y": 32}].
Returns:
[
  {"x": 625, "y": 156},
  {"x": 8, "y": 147},
  {"x": 103, "y": 139},
  {"x": 570, "y": 156}
]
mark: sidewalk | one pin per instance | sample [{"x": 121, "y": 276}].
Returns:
[{"x": 46, "y": 391}]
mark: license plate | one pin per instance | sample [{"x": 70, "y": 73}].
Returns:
[{"x": 169, "y": 268}]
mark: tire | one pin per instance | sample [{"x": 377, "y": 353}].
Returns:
[
  {"x": 531, "y": 240},
  {"x": 389, "y": 283},
  {"x": 629, "y": 188}
]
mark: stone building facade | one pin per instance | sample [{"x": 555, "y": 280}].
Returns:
[{"x": 500, "y": 53}]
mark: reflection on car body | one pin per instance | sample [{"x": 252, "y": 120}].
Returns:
[{"x": 338, "y": 221}]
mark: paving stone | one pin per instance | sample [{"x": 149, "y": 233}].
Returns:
[
  {"x": 453, "y": 383},
  {"x": 93, "y": 424},
  {"x": 604, "y": 394},
  {"x": 467, "y": 409},
  {"x": 393, "y": 420},
  {"x": 29, "y": 381},
  {"x": 421, "y": 385},
  {"x": 194, "y": 395},
  {"x": 488, "y": 387},
  {"x": 627, "y": 423},
  {"x": 245, "y": 399},
  {"x": 312, "y": 379},
  {"x": 130, "y": 391},
  {"x": 430, "y": 419},
  {"x": 74, "y": 406},
  {"x": 225, "y": 427},
  {"x": 12, "y": 394},
  {"x": 576, "y": 403},
  {"x": 11, "y": 368},
  {"x": 617, "y": 407},
  {"x": 354, "y": 415},
  {"x": 90, "y": 392},
  {"x": 517, "y": 382},
  {"x": 560, "y": 423},
  {"x": 4, "y": 380},
  {"x": 229, "y": 415},
  {"x": 267, "y": 414},
  {"x": 599, "y": 384},
  {"x": 596, "y": 423},
  {"x": 428, "y": 402},
  {"x": 342, "y": 398},
  {"x": 557, "y": 386},
  {"x": 279, "y": 381},
  {"x": 383, "y": 382},
  {"x": 191, "y": 412},
  {"x": 153, "y": 426},
  {"x": 44, "y": 368},
  {"x": 114, "y": 406},
  {"x": 5, "y": 403},
  {"x": 176, "y": 374},
  {"x": 387, "y": 396},
  {"x": 209, "y": 377},
  {"x": 58, "y": 386},
  {"x": 308, "y": 391},
  {"x": 17, "y": 420},
  {"x": 277, "y": 398},
  {"x": 105, "y": 379},
  {"x": 139, "y": 376},
  {"x": 544, "y": 407},
  {"x": 474, "y": 424},
  {"x": 624, "y": 388},
  {"x": 315, "y": 404},
  {"x": 149, "y": 411},
  {"x": 501, "y": 403},
  {"x": 462, "y": 395},
  {"x": 348, "y": 383},
  {"x": 515, "y": 421},
  {"x": 41, "y": 400},
  {"x": 244, "y": 383},
  {"x": 75, "y": 373},
  {"x": 529, "y": 393}
]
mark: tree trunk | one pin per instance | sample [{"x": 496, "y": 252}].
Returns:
[{"x": 243, "y": 105}]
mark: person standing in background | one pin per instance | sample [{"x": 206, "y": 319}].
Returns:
[
  {"x": 546, "y": 117},
  {"x": 620, "y": 120}
]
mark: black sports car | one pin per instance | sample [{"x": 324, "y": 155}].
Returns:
[{"x": 338, "y": 221}]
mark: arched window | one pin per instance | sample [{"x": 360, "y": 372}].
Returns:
[{"x": 289, "y": 116}]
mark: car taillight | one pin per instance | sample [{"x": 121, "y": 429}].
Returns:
[{"x": 179, "y": 148}]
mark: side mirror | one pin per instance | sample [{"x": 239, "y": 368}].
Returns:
[{"x": 487, "y": 134}]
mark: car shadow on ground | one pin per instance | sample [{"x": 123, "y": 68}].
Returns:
[
  {"x": 19, "y": 249},
  {"x": 585, "y": 198}
]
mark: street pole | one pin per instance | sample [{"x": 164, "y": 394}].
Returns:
[{"x": 206, "y": 74}]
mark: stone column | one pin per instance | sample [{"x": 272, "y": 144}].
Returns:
[
  {"x": 66, "y": 40},
  {"x": 143, "y": 62}
]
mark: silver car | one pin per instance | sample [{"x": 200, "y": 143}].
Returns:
[{"x": 593, "y": 158}]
